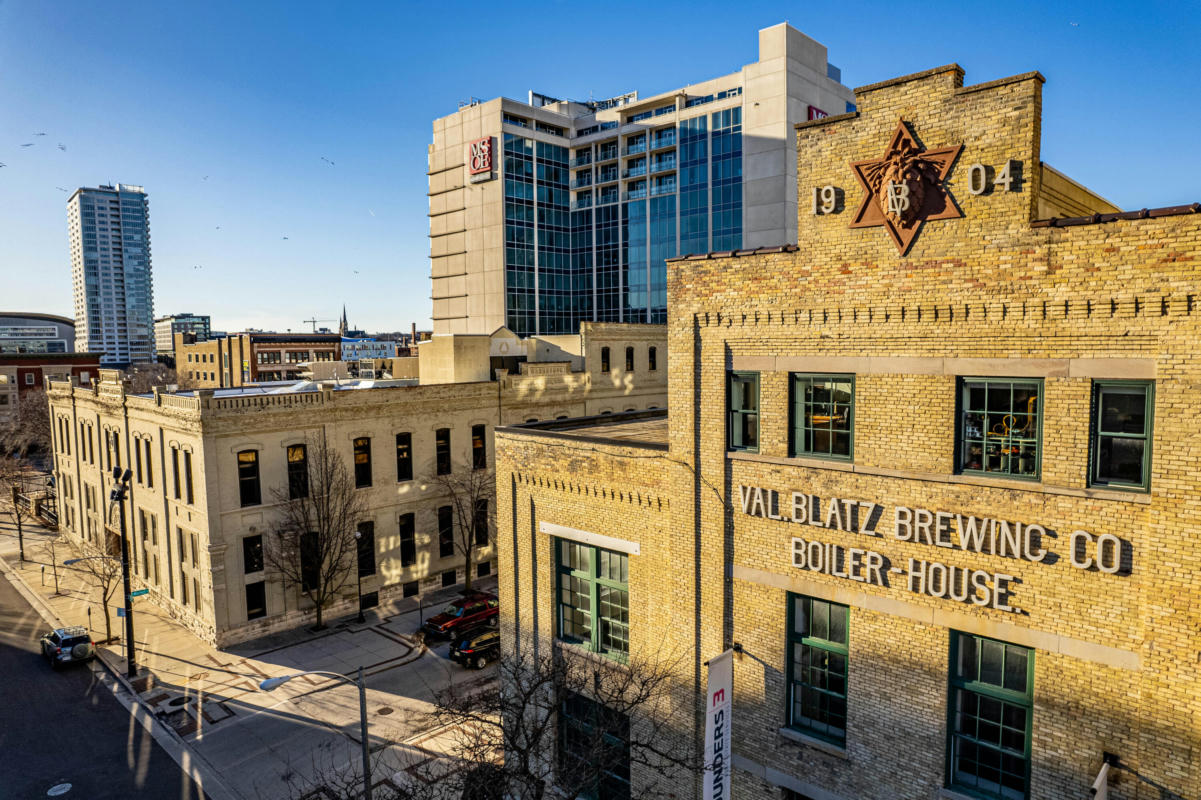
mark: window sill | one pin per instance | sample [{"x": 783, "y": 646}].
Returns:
[
  {"x": 950, "y": 794},
  {"x": 796, "y": 736},
  {"x": 585, "y": 652},
  {"x": 1095, "y": 493}
]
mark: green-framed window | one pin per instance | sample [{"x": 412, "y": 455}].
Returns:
[
  {"x": 990, "y": 717},
  {"x": 743, "y": 411},
  {"x": 1000, "y": 426},
  {"x": 594, "y": 749},
  {"x": 817, "y": 667},
  {"x": 1121, "y": 434},
  {"x": 823, "y": 415},
  {"x": 594, "y": 597}
]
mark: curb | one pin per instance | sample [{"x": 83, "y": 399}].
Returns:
[{"x": 192, "y": 764}]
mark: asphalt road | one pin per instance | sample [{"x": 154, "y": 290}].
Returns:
[{"x": 66, "y": 727}]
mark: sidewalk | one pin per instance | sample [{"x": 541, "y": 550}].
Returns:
[{"x": 244, "y": 742}]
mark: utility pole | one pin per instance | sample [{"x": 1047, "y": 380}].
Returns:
[{"x": 121, "y": 484}]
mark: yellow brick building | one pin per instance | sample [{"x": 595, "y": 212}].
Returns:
[{"x": 939, "y": 487}]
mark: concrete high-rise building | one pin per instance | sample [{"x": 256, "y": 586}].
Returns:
[
  {"x": 110, "y": 271},
  {"x": 550, "y": 212}
]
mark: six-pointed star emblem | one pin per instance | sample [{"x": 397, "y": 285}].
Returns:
[{"x": 905, "y": 187}]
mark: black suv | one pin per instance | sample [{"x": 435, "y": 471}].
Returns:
[
  {"x": 68, "y": 645},
  {"x": 476, "y": 648}
]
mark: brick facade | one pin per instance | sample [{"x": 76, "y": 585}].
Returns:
[{"x": 994, "y": 294}]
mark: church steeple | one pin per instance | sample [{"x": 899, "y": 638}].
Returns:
[{"x": 343, "y": 326}]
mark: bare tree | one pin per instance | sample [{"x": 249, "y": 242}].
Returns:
[
  {"x": 470, "y": 492},
  {"x": 144, "y": 377},
  {"x": 104, "y": 572},
  {"x": 53, "y": 544},
  {"x": 13, "y": 474},
  {"x": 313, "y": 544},
  {"x": 570, "y": 721},
  {"x": 26, "y": 431}
]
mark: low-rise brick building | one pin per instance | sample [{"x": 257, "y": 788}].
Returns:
[
  {"x": 932, "y": 474},
  {"x": 210, "y": 466},
  {"x": 241, "y": 359}
]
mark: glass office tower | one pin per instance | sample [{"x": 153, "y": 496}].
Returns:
[
  {"x": 585, "y": 201},
  {"x": 632, "y": 194}
]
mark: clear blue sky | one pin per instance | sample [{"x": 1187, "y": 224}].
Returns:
[{"x": 252, "y": 95}]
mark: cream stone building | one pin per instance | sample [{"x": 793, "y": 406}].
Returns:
[
  {"x": 930, "y": 477},
  {"x": 208, "y": 463}
]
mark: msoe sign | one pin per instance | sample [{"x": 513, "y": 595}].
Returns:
[
  {"x": 717, "y": 727},
  {"x": 479, "y": 159}
]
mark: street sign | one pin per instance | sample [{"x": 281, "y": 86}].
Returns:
[
  {"x": 138, "y": 593},
  {"x": 120, "y": 611}
]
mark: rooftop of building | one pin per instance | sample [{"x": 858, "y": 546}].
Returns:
[
  {"x": 36, "y": 315},
  {"x": 296, "y": 387},
  {"x": 646, "y": 429},
  {"x": 51, "y": 358},
  {"x": 566, "y": 109}
]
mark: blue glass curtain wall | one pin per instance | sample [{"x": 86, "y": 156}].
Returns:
[
  {"x": 519, "y": 233},
  {"x": 633, "y": 225},
  {"x": 606, "y": 260},
  {"x": 727, "y": 179}
]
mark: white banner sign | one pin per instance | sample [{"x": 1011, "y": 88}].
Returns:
[{"x": 717, "y": 727}]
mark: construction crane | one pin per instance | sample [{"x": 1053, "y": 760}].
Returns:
[{"x": 314, "y": 322}]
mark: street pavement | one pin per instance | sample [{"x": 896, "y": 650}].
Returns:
[
  {"x": 255, "y": 745},
  {"x": 66, "y": 726}
]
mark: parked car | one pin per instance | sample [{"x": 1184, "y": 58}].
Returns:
[
  {"x": 476, "y": 648},
  {"x": 466, "y": 612},
  {"x": 67, "y": 646}
]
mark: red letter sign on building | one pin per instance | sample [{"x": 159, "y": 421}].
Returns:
[
  {"x": 717, "y": 727},
  {"x": 479, "y": 156},
  {"x": 817, "y": 113}
]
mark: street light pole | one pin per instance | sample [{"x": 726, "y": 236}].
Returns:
[
  {"x": 118, "y": 496},
  {"x": 358, "y": 573},
  {"x": 270, "y": 684},
  {"x": 363, "y": 734}
]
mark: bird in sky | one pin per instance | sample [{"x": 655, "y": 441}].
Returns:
[
  {"x": 1074, "y": 24},
  {"x": 205, "y": 178},
  {"x": 28, "y": 145},
  {"x": 285, "y": 238},
  {"x": 62, "y": 147},
  {"x": 356, "y": 272},
  {"x": 372, "y": 213},
  {"x": 327, "y": 161},
  {"x": 61, "y": 189},
  {"x": 39, "y": 134},
  {"x": 197, "y": 266},
  {"x": 3, "y": 165},
  {"x": 218, "y": 227}
]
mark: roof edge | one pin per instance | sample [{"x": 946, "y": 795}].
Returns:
[
  {"x": 1024, "y": 76},
  {"x": 39, "y": 315},
  {"x": 1095, "y": 219},
  {"x": 814, "y": 123},
  {"x": 754, "y": 251},
  {"x": 915, "y": 76}
]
